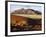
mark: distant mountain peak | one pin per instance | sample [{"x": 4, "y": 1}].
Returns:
[{"x": 26, "y": 11}]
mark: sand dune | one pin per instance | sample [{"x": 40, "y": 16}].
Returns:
[{"x": 29, "y": 16}]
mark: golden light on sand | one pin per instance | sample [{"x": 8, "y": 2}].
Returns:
[{"x": 29, "y": 16}]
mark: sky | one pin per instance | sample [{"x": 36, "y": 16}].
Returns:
[{"x": 14, "y": 7}]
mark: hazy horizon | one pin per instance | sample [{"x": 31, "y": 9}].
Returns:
[{"x": 14, "y": 7}]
